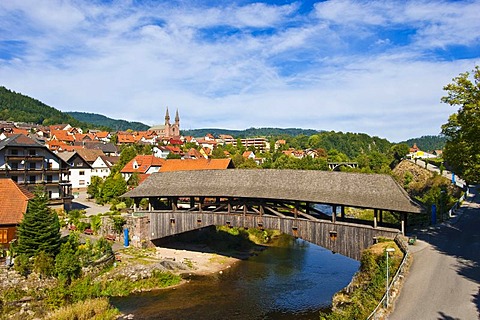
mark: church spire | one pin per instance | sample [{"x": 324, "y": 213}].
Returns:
[
  {"x": 167, "y": 117},
  {"x": 177, "y": 117}
]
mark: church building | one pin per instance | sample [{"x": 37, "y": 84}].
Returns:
[{"x": 168, "y": 130}]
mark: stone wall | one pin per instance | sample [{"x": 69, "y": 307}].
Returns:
[{"x": 138, "y": 230}]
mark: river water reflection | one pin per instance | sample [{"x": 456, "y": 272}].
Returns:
[{"x": 290, "y": 282}]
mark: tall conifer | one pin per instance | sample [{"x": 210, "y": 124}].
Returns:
[{"x": 39, "y": 229}]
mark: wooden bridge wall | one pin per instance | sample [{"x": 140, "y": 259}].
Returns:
[{"x": 350, "y": 240}]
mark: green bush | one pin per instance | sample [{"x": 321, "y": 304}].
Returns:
[
  {"x": 67, "y": 265},
  {"x": 102, "y": 248},
  {"x": 95, "y": 223},
  {"x": 44, "y": 264},
  {"x": 81, "y": 226},
  {"x": 85, "y": 310}
]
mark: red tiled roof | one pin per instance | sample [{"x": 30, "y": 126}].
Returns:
[
  {"x": 126, "y": 138},
  {"x": 61, "y": 135},
  {"x": 173, "y": 149},
  {"x": 58, "y": 127},
  {"x": 89, "y": 155},
  {"x": 101, "y": 134},
  {"x": 175, "y": 141},
  {"x": 144, "y": 162},
  {"x": 56, "y": 145},
  {"x": 194, "y": 153},
  {"x": 13, "y": 202},
  {"x": 22, "y": 131},
  {"x": 196, "y": 164},
  {"x": 247, "y": 154}
]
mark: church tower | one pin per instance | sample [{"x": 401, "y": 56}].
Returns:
[
  {"x": 176, "y": 126},
  {"x": 167, "y": 124},
  {"x": 168, "y": 130}
]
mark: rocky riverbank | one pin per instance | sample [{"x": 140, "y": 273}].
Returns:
[{"x": 29, "y": 297}]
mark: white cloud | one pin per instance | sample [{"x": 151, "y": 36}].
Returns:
[{"x": 131, "y": 62}]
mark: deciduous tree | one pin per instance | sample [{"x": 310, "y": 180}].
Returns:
[{"x": 462, "y": 149}]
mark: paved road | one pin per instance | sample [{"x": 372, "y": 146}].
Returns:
[
  {"x": 445, "y": 173},
  {"x": 89, "y": 205},
  {"x": 443, "y": 282}
]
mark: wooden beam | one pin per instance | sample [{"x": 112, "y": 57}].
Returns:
[
  {"x": 309, "y": 217},
  {"x": 375, "y": 217},
  {"x": 220, "y": 207},
  {"x": 281, "y": 215}
]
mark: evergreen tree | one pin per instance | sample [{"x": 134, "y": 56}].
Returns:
[{"x": 39, "y": 229}]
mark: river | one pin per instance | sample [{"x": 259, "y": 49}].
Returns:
[{"x": 289, "y": 282}]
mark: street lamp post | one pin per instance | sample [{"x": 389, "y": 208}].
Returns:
[{"x": 387, "y": 250}]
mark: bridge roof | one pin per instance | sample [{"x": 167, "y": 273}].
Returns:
[{"x": 376, "y": 191}]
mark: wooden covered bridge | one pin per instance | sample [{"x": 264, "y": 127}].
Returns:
[{"x": 276, "y": 199}]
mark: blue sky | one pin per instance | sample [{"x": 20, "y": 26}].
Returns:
[{"x": 376, "y": 67}]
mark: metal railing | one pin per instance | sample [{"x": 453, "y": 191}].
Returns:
[{"x": 404, "y": 247}]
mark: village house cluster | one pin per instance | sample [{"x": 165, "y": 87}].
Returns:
[{"x": 63, "y": 159}]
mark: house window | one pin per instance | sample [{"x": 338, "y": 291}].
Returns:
[
  {"x": 14, "y": 165},
  {"x": 31, "y": 179},
  {"x": 81, "y": 182},
  {"x": 82, "y": 173},
  {"x": 49, "y": 178},
  {"x": 14, "y": 152},
  {"x": 32, "y": 165},
  {"x": 32, "y": 152},
  {"x": 3, "y": 235}
]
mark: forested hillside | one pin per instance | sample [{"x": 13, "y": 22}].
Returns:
[
  {"x": 103, "y": 121},
  {"x": 428, "y": 143},
  {"x": 351, "y": 144},
  {"x": 20, "y": 108},
  {"x": 251, "y": 132}
]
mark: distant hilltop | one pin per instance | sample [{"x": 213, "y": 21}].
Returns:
[
  {"x": 103, "y": 121},
  {"x": 17, "y": 107}
]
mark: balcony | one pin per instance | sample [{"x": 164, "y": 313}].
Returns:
[{"x": 22, "y": 157}]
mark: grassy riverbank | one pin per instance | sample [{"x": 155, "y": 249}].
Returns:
[
  {"x": 87, "y": 297},
  {"x": 361, "y": 296}
]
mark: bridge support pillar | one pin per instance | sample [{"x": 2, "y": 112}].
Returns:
[
  {"x": 404, "y": 218},
  {"x": 192, "y": 202},
  {"x": 375, "y": 217},
  {"x": 174, "y": 204},
  {"x": 200, "y": 204},
  {"x": 136, "y": 203},
  {"x": 295, "y": 212}
]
